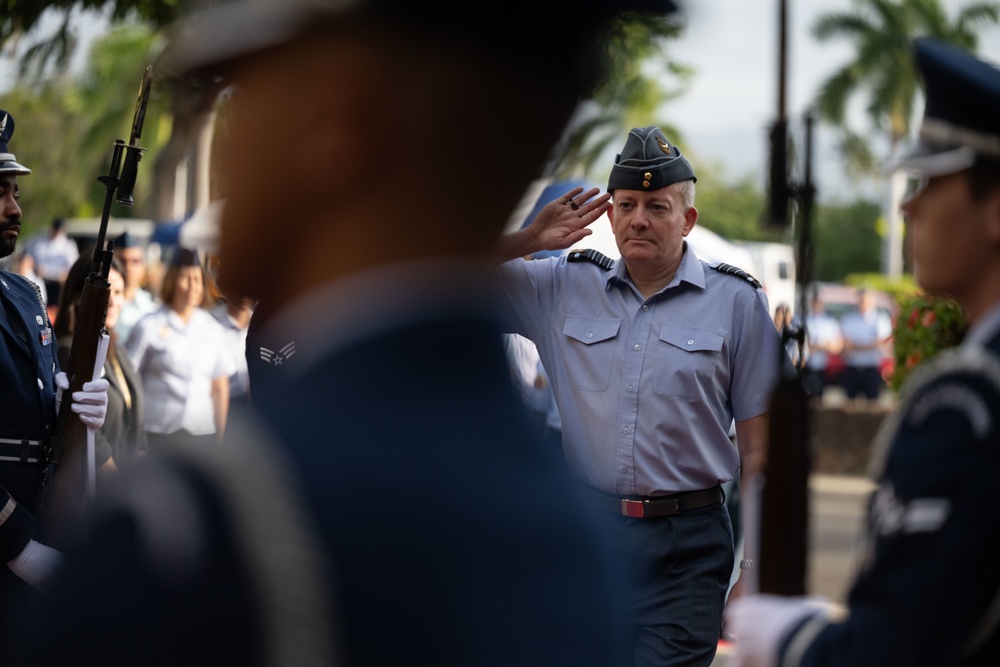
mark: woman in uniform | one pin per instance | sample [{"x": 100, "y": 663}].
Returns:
[
  {"x": 179, "y": 351},
  {"x": 121, "y": 438}
]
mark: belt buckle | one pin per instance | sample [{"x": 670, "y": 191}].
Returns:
[{"x": 634, "y": 509}]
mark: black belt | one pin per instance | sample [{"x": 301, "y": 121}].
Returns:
[
  {"x": 672, "y": 505},
  {"x": 19, "y": 451}
]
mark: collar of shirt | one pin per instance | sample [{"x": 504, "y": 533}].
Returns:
[
  {"x": 690, "y": 270},
  {"x": 983, "y": 330},
  {"x": 175, "y": 321},
  {"x": 221, "y": 314},
  {"x": 362, "y": 304}
]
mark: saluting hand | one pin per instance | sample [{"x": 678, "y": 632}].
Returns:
[{"x": 563, "y": 222}]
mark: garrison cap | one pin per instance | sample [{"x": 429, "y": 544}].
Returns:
[
  {"x": 222, "y": 32},
  {"x": 185, "y": 257},
  {"x": 8, "y": 163},
  {"x": 126, "y": 240},
  {"x": 961, "y": 112},
  {"x": 649, "y": 162}
]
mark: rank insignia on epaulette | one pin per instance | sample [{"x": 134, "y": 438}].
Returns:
[
  {"x": 738, "y": 272},
  {"x": 591, "y": 255}
]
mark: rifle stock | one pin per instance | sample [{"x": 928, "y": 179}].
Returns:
[
  {"x": 65, "y": 496},
  {"x": 783, "y": 501},
  {"x": 67, "y": 458}
]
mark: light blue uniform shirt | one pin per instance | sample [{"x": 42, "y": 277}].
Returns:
[
  {"x": 865, "y": 329},
  {"x": 647, "y": 388}
]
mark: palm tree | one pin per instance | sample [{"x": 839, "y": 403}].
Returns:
[
  {"x": 882, "y": 32},
  {"x": 628, "y": 98}
]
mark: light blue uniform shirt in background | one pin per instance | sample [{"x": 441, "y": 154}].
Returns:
[
  {"x": 865, "y": 329},
  {"x": 647, "y": 388}
]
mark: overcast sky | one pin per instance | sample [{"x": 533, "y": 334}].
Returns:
[{"x": 732, "y": 45}]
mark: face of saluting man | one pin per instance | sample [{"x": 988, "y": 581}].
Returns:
[{"x": 649, "y": 229}]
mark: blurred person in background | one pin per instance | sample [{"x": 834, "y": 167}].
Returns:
[
  {"x": 138, "y": 301},
  {"x": 121, "y": 437},
  {"x": 783, "y": 320},
  {"x": 25, "y": 265},
  {"x": 823, "y": 339},
  {"x": 233, "y": 312},
  {"x": 529, "y": 374},
  {"x": 53, "y": 254},
  {"x": 865, "y": 331},
  {"x": 181, "y": 354}
]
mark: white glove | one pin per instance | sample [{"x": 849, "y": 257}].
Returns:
[
  {"x": 761, "y": 623},
  {"x": 90, "y": 403},
  {"x": 36, "y": 564}
]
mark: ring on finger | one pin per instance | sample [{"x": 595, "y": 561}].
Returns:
[{"x": 573, "y": 205}]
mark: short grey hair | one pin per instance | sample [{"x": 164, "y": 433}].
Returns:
[{"x": 686, "y": 191}]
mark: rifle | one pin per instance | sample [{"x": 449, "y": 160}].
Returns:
[
  {"x": 68, "y": 477},
  {"x": 783, "y": 494}
]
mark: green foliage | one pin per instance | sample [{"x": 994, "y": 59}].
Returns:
[
  {"x": 882, "y": 70},
  {"x": 845, "y": 240},
  {"x": 925, "y": 326},
  {"x": 66, "y": 129},
  {"x": 641, "y": 77},
  {"x": 20, "y": 17},
  {"x": 732, "y": 210},
  {"x": 900, "y": 289}
]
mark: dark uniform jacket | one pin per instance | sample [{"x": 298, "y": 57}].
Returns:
[
  {"x": 28, "y": 366},
  {"x": 929, "y": 592},
  {"x": 450, "y": 536}
]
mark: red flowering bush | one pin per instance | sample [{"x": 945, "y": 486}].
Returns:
[{"x": 925, "y": 326}]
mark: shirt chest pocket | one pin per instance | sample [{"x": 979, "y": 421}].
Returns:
[
  {"x": 689, "y": 362},
  {"x": 590, "y": 349}
]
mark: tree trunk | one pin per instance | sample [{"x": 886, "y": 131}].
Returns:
[{"x": 192, "y": 115}]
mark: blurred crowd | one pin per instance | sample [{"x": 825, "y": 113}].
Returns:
[
  {"x": 847, "y": 342},
  {"x": 176, "y": 359}
]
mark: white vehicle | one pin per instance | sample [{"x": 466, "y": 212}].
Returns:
[{"x": 774, "y": 266}]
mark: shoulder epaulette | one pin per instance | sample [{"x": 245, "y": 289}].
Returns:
[
  {"x": 591, "y": 255},
  {"x": 38, "y": 290},
  {"x": 35, "y": 288},
  {"x": 738, "y": 272}
]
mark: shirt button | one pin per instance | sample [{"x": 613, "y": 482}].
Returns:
[
  {"x": 629, "y": 389},
  {"x": 41, "y": 385},
  {"x": 626, "y": 430},
  {"x": 590, "y": 334},
  {"x": 690, "y": 342},
  {"x": 645, "y": 307},
  {"x": 637, "y": 347}
]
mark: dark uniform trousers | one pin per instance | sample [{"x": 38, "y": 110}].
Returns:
[{"x": 679, "y": 569}]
